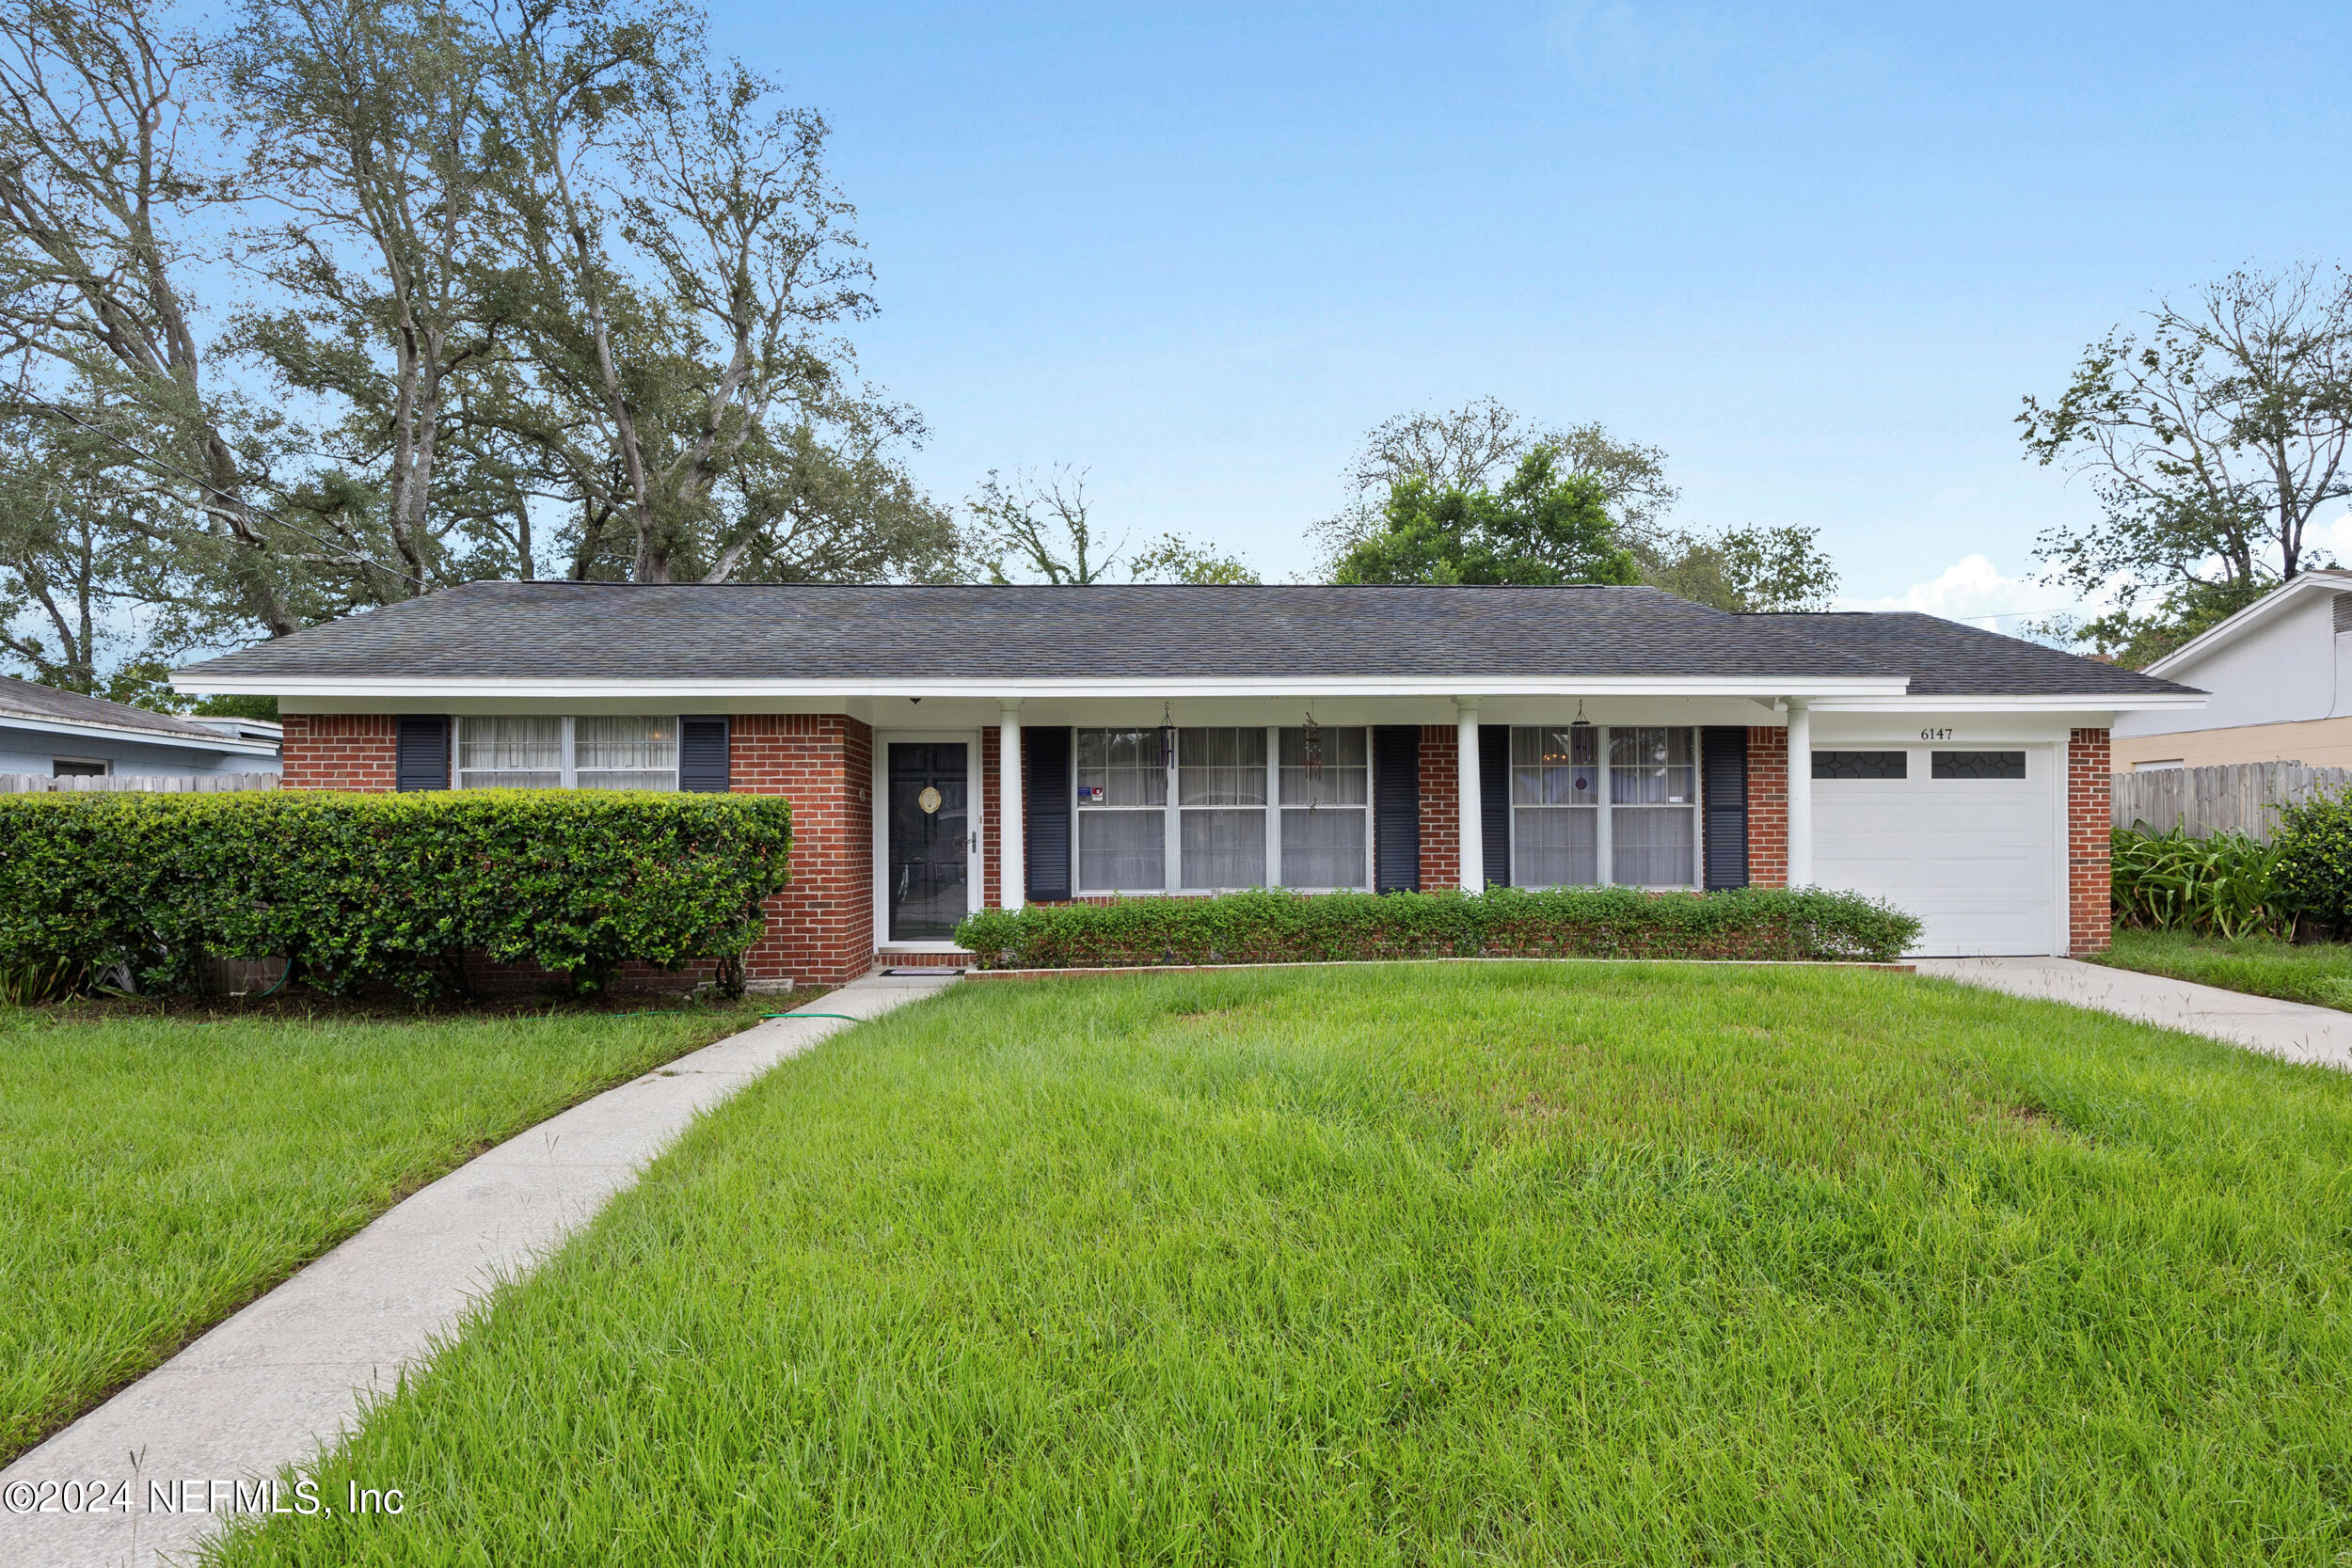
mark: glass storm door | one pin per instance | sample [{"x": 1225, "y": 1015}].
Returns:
[{"x": 928, "y": 840}]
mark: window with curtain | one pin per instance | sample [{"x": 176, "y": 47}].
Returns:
[
  {"x": 625, "y": 753},
  {"x": 1325, "y": 798},
  {"x": 1653, "y": 795},
  {"x": 529, "y": 752},
  {"x": 509, "y": 753},
  {"x": 1220, "y": 791},
  {"x": 1122, "y": 811},
  {"x": 1555, "y": 806}
]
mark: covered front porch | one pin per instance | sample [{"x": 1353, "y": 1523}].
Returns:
[{"x": 1192, "y": 795}]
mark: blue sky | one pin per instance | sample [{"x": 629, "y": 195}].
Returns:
[{"x": 1818, "y": 254}]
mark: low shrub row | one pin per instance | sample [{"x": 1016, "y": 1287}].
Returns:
[
  {"x": 1586, "y": 923},
  {"x": 395, "y": 888}
]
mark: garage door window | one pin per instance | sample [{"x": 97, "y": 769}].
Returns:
[
  {"x": 1860, "y": 765},
  {"x": 1978, "y": 765}
]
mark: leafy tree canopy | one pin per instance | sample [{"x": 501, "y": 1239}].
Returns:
[
  {"x": 2211, "y": 435},
  {"x": 1540, "y": 528}
]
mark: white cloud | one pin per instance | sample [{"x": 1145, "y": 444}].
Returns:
[
  {"x": 2335, "y": 538},
  {"x": 1973, "y": 589}
]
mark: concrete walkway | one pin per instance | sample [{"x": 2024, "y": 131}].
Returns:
[
  {"x": 2293, "y": 1030},
  {"x": 283, "y": 1379}
]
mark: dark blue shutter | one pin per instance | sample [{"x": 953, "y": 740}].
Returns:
[
  {"x": 422, "y": 759},
  {"x": 1396, "y": 808},
  {"x": 1046, "y": 815},
  {"x": 1724, "y": 777},
  {"x": 1494, "y": 802},
  {"x": 701, "y": 755}
]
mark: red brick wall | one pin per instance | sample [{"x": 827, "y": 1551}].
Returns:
[
  {"x": 1768, "y": 806},
  {"x": 2091, "y": 898},
  {"x": 992, "y": 819},
  {"x": 821, "y": 928},
  {"x": 341, "y": 750},
  {"x": 1441, "y": 809}
]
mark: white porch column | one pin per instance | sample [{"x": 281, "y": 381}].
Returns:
[
  {"x": 1012, "y": 863},
  {"x": 1473, "y": 829},
  {"x": 1800, "y": 794}
]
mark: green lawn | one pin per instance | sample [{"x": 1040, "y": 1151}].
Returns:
[
  {"x": 1437, "y": 1264},
  {"x": 2320, "y": 973},
  {"x": 156, "y": 1172}
]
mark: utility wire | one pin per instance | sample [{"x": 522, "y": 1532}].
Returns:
[{"x": 351, "y": 553}]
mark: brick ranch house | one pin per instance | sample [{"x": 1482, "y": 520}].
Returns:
[{"x": 1186, "y": 740}]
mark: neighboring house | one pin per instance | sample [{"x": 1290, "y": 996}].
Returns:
[
  {"x": 1190, "y": 738},
  {"x": 46, "y": 730},
  {"x": 2279, "y": 673}
]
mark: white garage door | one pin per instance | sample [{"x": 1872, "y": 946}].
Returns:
[{"x": 1964, "y": 839}]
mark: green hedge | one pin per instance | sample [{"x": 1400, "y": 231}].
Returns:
[
  {"x": 396, "y": 889},
  {"x": 2313, "y": 871},
  {"x": 1585, "y": 922}
]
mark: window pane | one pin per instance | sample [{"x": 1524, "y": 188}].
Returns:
[
  {"x": 625, "y": 753},
  {"x": 1324, "y": 847},
  {"x": 1860, "y": 765},
  {"x": 1555, "y": 846},
  {"x": 1652, "y": 847},
  {"x": 1121, "y": 767},
  {"x": 1650, "y": 765},
  {"x": 1225, "y": 849},
  {"x": 1343, "y": 778},
  {"x": 1122, "y": 851},
  {"x": 510, "y": 754},
  {"x": 1978, "y": 765},
  {"x": 1220, "y": 767},
  {"x": 1555, "y": 765}
]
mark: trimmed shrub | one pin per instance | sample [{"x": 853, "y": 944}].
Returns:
[
  {"x": 2314, "y": 859},
  {"x": 2223, "y": 886},
  {"x": 396, "y": 889},
  {"x": 1582, "y": 922}
]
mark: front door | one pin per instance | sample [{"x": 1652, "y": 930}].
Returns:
[{"x": 929, "y": 839}]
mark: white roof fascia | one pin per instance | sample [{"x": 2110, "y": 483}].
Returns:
[
  {"x": 214, "y": 742},
  {"x": 1760, "y": 687},
  {"x": 2249, "y": 619},
  {"x": 2089, "y": 702}
]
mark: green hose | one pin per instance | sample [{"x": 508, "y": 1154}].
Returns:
[{"x": 850, "y": 1017}]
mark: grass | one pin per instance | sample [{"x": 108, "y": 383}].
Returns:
[
  {"x": 158, "y": 1170},
  {"x": 2320, "y": 973},
  {"x": 1441, "y": 1264}
]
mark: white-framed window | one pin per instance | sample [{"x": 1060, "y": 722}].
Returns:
[
  {"x": 1653, "y": 805},
  {"x": 1237, "y": 806},
  {"x": 1326, "y": 808},
  {"x": 538, "y": 752},
  {"x": 625, "y": 753},
  {"x": 1220, "y": 801},
  {"x": 1121, "y": 816},
  {"x": 1555, "y": 805},
  {"x": 1577, "y": 823}
]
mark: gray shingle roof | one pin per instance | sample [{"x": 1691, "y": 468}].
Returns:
[
  {"x": 29, "y": 700},
  {"x": 557, "y": 630}
]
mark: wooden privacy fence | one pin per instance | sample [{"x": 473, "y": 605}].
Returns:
[
  {"x": 2242, "y": 797},
  {"x": 168, "y": 783}
]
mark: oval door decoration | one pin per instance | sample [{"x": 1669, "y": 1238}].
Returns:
[{"x": 928, "y": 799}]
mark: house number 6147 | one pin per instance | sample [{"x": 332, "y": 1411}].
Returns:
[{"x": 1935, "y": 735}]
